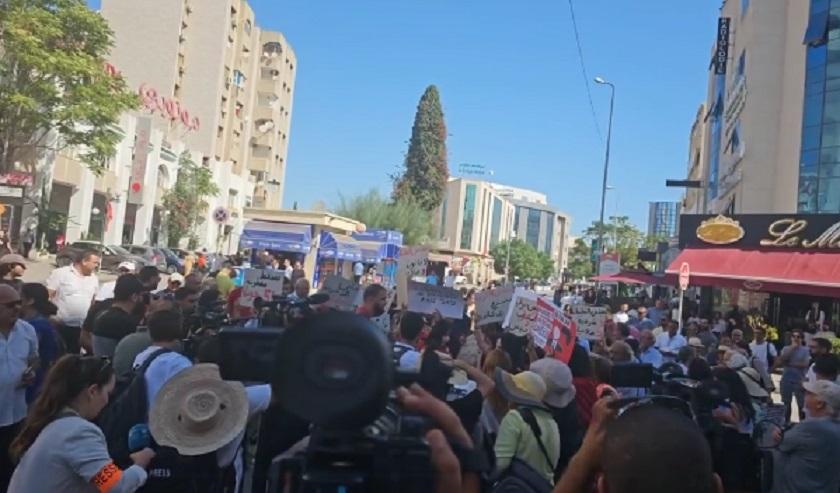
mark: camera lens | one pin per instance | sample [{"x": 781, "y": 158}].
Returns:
[{"x": 334, "y": 370}]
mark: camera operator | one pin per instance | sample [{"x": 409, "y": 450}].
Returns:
[
  {"x": 806, "y": 459},
  {"x": 302, "y": 289}
]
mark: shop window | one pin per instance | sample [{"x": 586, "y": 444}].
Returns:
[{"x": 828, "y": 197}]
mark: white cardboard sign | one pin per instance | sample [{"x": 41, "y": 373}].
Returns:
[
  {"x": 426, "y": 298},
  {"x": 522, "y": 312},
  {"x": 590, "y": 320},
  {"x": 344, "y": 293},
  {"x": 491, "y": 305},
  {"x": 261, "y": 283}
]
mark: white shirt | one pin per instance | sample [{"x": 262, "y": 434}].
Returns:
[
  {"x": 106, "y": 292},
  {"x": 163, "y": 368},
  {"x": 621, "y": 318},
  {"x": 670, "y": 345},
  {"x": 410, "y": 360},
  {"x": 15, "y": 354},
  {"x": 73, "y": 294},
  {"x": 760, "y": 351},
  {"x": 358, "y": 269},
  {"x": 259, "y": 398},
  {"x": 288, "y": 271}
]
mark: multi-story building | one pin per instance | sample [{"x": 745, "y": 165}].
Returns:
[
  {"x": 663, "y": 219},
  {"x": 771, "y": 141},
  {"x": 211, "y": 79},
  {"x": 694, "y": 200}
]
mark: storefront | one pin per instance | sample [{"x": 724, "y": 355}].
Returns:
[
  {"x": 336, "y": 255},
  {"x": 381, "y": 250},
  {"x": 794, "y": 259},
  {"x": 292, "y": 241}
]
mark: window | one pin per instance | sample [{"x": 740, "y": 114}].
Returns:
[
  {"x": 745, "y": 5},
  {"x": 469, "y": 217},
  {"x": 496, "y": 222},
  {"x": 239, "y": 78},
  {"x": 532, "y": 231},
  {"x": 268, "y": 73},
  {"x": 549, "y": 234},
  {"x": 248, "y": 26},
  {"x": 734, "y": 139},
  {"x": 828, "y": 197},
  {"x": 817, "y": 26},
  {"x": 742, "y": 63}
]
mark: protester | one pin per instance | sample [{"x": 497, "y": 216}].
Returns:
[
  {"x": 641, "y": 449},
  {"x": 494, "y": 406},
  {"x": 670, "y": 342},
  {"x": 705, "y": 334},
  {"x": 560, "y": 400},
  {"x": 358, "y": 272},
  {"x": 406, "y": 354},
  {"x": 18, "y": 361},
  {"x": 684, "y": 357},
  {"x": 127, "y": 350},
  {"x": 584, "y": 383},
  {"x": 374, "y": 299},
  {"x": 794, "y": 360},
  {"x": 642, "y": 321},
  {"x": 166, "y": 331},
  {"x": 194, "y": 282},
  {"x": 224, "y": 280},
  {"x": 764, "y": 356},
  {"x": 621, "y": 315},
  {"x": 189, "y": 263},
  {"x": 37, "y": 309},
  {"x": 150, "y": 277},
  {"x": 826, "y": 367},
  {"x": 648, "y": 353},
  {"x": 298, "y": 272},
  {"x": 287, "y": 269},
  {"x": 72, "y": 289},
  {"x": 12, "y": 268},
  {"x": 819, "y": 346},
  {"x": 517, "y": 439},
  {"x": 734, "y": 459},
  {"x": 121, "y": 318},
  {"x": 302, "y": 289},
  {"x": 59, "y": 448},
  {"x": 173, "y": 284},
  {"x": 656, "y": 313},
  {"x": 106, "y": 291},
  {"x": 806, "y": 459}
]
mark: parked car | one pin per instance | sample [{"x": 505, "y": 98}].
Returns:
[
  {"x": 151, "y": 255},
  {"x": 111, "y": 255},
  {"x": 174, "y": 263}
]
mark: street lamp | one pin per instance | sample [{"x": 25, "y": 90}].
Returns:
[
  {"x": 602, "y": 81},
  {"x": 507, "y": 261}
]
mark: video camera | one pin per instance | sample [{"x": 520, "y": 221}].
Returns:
[{"x": 282, "y": 311}]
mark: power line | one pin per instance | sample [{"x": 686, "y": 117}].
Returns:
[{"x": 583, "y": 72}]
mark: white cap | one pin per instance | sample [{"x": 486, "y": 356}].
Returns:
[
  {"x": 176, "y": 277},
  {"x": 828, "y": 392},
  {"x": 129, "y": 266}
]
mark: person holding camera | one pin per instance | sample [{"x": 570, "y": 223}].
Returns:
[{"x": 59, "y": 448}]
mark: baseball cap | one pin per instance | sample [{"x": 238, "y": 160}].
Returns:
[
  {"x": 129, "y": 266},
  {"x": 695, "y": 342},
  {"x": 176, "y": 277},
  {"x": 12, "y": 258},
  {"x": 829, "y": 392}
]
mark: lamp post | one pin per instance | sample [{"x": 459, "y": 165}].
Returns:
[
  {"x": 600, "y": 80},
  {"x": 507, "y": 261}
]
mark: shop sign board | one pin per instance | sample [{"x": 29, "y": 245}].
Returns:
[{"x": 803, "y": 232}]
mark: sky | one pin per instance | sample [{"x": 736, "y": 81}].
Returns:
[{"x": 513, "y": 93}]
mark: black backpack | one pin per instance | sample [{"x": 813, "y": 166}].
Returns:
[
  {"x": 128, "y": 408},
  {"x": 520, "y": 477}
]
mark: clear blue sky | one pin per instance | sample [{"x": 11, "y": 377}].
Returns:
[{"x": 512, "y": 91}]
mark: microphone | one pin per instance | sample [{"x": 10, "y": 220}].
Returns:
[{"x": 139, "y": 437}]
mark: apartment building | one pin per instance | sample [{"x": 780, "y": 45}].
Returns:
[
  {"x": 211, "y": 79},
  {"x": 663, "y": 219}
]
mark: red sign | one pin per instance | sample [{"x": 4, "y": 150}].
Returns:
[
  {"x": 554, "y": 331},
  {"x": 168, "y": 107},
  {"x": 685, "y": 274},
  {"x": 16, "y": 178}
]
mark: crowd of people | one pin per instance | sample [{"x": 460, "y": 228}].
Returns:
[{"x": 80, "y": 360}]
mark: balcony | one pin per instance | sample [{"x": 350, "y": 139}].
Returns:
[{"x": 272, "y": 49}]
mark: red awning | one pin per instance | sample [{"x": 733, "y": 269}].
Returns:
[
  {"x": 634, "y": 278},
  {"x": 810, "y": 273}
]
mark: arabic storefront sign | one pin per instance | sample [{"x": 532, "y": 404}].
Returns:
[
  {"x": 344, "y": 293},
  {"x": 589, "y": 320},
  {"x": 426, "y": 298},
  {"x": 261, "y": 283},
  {"x": 491, "y": 305},
  {"x": 807, "y": 232}
]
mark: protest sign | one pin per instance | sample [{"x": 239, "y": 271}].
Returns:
[
  {"x": 589, "y": 320},
  {"x": 412, "y": 263},
  {"x": 491, "y": 306},
  {"x": 554, "y": 331},
  {"x": 426, "y": 298},
  {"x": 261, "y": 283},
  {"x": 343, "y": 292},
  {"x": 522, "y": 312},
  {"x": 383, "y": 322}
]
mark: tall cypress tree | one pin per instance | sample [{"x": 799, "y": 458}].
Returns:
[{"x": 423, "y": 180}]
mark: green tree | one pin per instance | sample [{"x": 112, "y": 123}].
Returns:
[
  {"x": 376, "y": 212},
  {"x": 423, "y": 179},
  {"x": 52, "y": 77},
  {"x": 623, "y": 236},
  {"x": 186, "y": 201},
  {"x": 580, "y": 260},
  {"x": 525, "y": 261}
]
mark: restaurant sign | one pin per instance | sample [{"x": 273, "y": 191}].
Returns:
[{"x": 809, "y": 232}]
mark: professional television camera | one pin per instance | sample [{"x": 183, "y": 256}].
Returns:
[
  {"x": 336, "y": 371},
  {"x": 284, "y": 311}
]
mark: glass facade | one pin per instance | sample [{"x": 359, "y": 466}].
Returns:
[
  {"x": 549, "y": 233},
  {"x": 496, "y": 224},
  {"x": 819, "y": 159},
  {"x": 532, "y": 231},
  {"x": 469, "y": 218},
  {"x": 663, "y": 218},
  {"x": 716, "y": 115}
]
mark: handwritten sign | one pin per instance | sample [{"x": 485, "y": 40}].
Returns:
[
  {"x": 426, "y": 298},
  {"x": 492, "y": 305},
  {"x": 522, "y": 312},
  {"x": 261, "y": 283},
  {"x": 589, "y": 320},
  {"x": 344, "y": 293},
  {"x": 554, "y": 331},
  {"x": 413, "y": 263}
]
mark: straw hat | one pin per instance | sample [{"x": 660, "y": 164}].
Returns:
[
  {"x": 752, "y": 380},
  {"x": 197, "y": 412},
  {"x": 526, "y": 388}
]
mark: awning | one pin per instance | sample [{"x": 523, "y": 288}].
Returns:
[
  {"x": 798, "y": 272},
  {"x": 378, "y": 245},
  {"x": 284, "y": 237},
  {"x": 339, "y": 246},
  {"x": 633, "y": 278}
]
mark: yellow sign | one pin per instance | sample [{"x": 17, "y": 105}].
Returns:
[{"x": 720, "y": 230}]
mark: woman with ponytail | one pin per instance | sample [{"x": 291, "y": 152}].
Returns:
[{"x": 59, "y": 448}]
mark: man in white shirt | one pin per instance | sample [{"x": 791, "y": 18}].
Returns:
[
  {"x": 18, "y": 359},
  {"x": 287, "y": 269},
  {"x": 358, "y": 272},
  {"x": 621, "y": 315},
  {"x": 818, "y": 346},
  {"x": 670, "y": 342},
  {"x": 166, "y": 331},
  {"x": 72, "y": 289},
  {"x": 406, "y": 355},
  {"x": 763, "y": 354}
]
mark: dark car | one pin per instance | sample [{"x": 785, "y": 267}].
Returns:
[
  {"x": 174, "y": 263},
  {"x": 111, "y": 255},
  {"x": 151, "y": 255}
]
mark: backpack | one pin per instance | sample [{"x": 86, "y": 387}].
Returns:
[
  {"x": 520, "y": 477},
  {"x": 171, "y": 472},
  {"x": 127, "y": 409}
]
